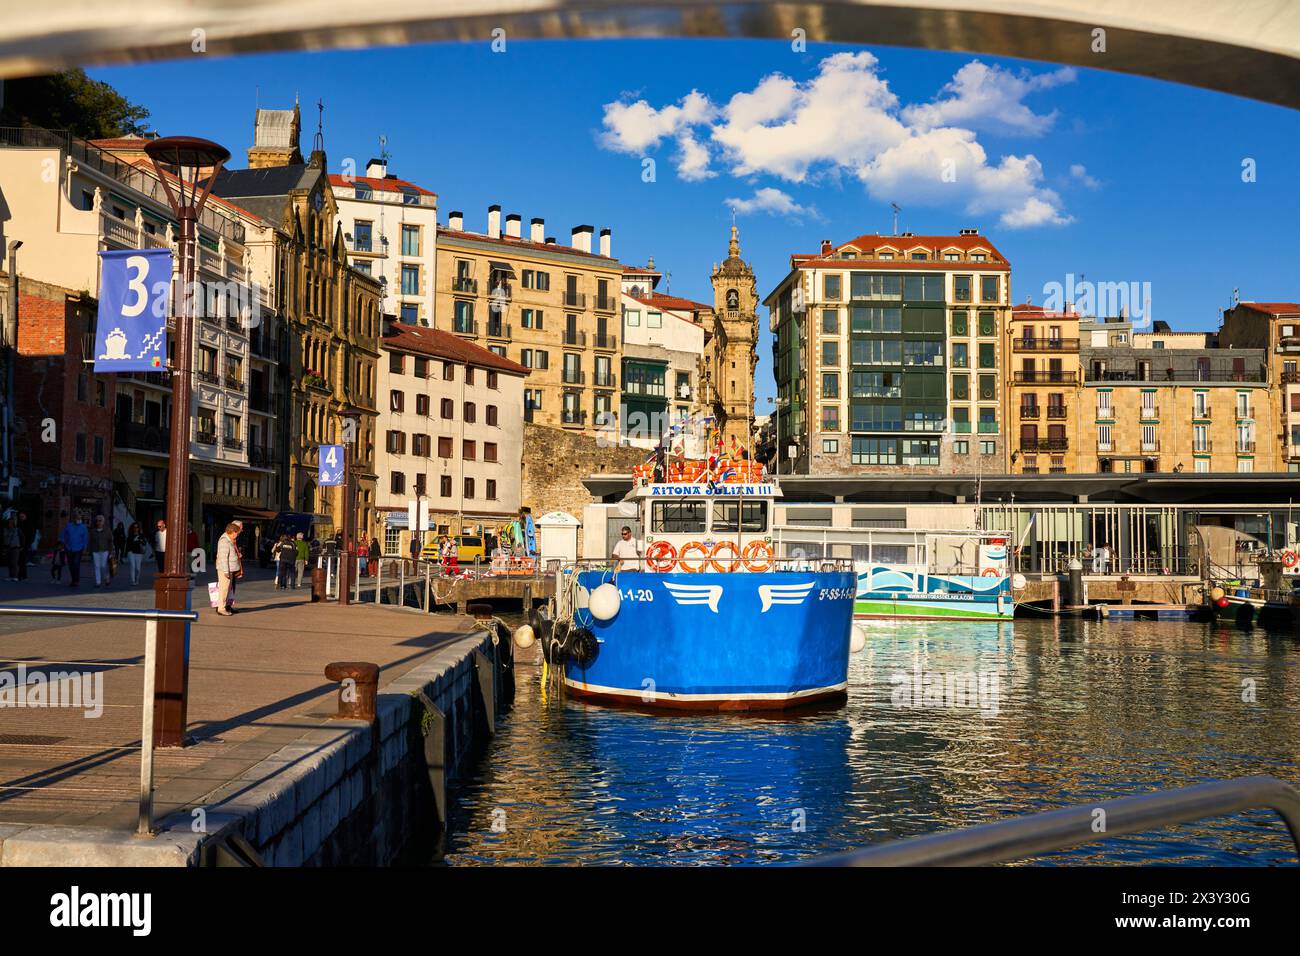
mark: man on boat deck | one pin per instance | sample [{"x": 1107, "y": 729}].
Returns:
[{"x": 626, "y": 551}]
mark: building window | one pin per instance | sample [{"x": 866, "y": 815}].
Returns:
[
  {"x": 830, "y": 446},
  {"x": 492, "y": 380},
  {"x": 397, "y": 483},
  {"x": 471, "y": 413},
  {"x": 988, "y": 448},
  {"x": 444, "y": 486},
  {"x": 831, "y": 353},
  {"x": 874, "y": 451},
  {"x": 395, "y": 442},
  {"x": 396, "y": 363},
  {"x": 469, "y": 487},
  {"x": 832, "y": 287},
  {"x": 830, "y": 418},
  {"x": 960, "y": 355},
  {"x": 830, "y": 321},
  {"x": 362, "y": 232},
  {"x": 420, "y": 445},
  {"x": 397, "y": 400},
  {"x": 410, "y": 313},
  {"x": 448, "y": 409},
  {"x": 491, "y": 415},
  {"x": 961, "y": 290},
  {"x": 988, "y": 356},
  {"x": 961, "y": 447},
  {"x": 830, "y": 385},
  {"x": 410, "y": 240},
  {"x": 490, "y": 451},
  {"x": 990, "y": 287},
  {"x": 422, "y": 404},
  {"x": 988, "y": 326},
  {"x": 632, "y": 317},
  {"x": 1245, "y": 465},
  {"x": 960, "y": 323},
  {"x": 444, "y": 446}
]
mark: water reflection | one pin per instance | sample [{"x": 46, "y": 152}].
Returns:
[{"x": 946, "y": 725}]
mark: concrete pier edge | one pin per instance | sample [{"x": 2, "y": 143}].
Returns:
[{"x": 344, "y": 792}]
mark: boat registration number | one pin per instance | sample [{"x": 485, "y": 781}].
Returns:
[
  {"x": 638, "y": 594},
  {"x": 836, "y": 594}
]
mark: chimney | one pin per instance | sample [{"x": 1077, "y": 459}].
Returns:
[
  {"x": 605, "y": 243},
  {"x": 513, "y": 224},
  {"x": 582, "y": 238},
  {"x": 826, "y": 247},
  {"x": 456, "y": 220},
  {"x": 550, "y": 240},
  {"x": 538, "y": 230},
  {"x": 494, "y": 221},
  {"x": 376, "y": 169}
]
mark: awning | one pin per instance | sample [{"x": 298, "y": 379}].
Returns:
[
  {"x": 255, "y": 514},
  {"x": 505, "y": 267}
]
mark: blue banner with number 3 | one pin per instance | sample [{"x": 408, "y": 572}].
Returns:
[{"x": 134, "y": 300}]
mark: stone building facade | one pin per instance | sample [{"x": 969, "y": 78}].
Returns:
[{"x": 733, "y": 351}]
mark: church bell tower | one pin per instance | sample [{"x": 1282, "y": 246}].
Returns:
[{"x": 734, "y": 351}]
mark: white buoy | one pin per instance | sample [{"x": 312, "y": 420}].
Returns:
[
  {"x": 605, "y": 602},
  {"x": 524, "y": 636},
  {"x": 859, "y": 639},
  {"x": 1018, "y": 582}
]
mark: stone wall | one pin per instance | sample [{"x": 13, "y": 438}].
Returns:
[{"x": 556, "y": 461}]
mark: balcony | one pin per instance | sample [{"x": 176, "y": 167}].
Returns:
[
  {"x": 1047, "y": 377},
  {"x": 206, "y": 377},
  {"x": 575, "y": 300},
  {"x": 1202, "y": 448},
  {"x": 1044, "y": 444},
  {"x": 235, "y": 382},
  {"x": 1056, "y": 412},
  {"x": 261, "y": 456},
  {"x": 528, "y": 413},
  {"x": 988, "y": 428},
  {"x": 1151, "y": 447},
  {"x": 1105, "y": 413},
  {"x": 607, "y": 342},
  {"x": 1029, "y": 411},
  {"x": 573, "y": 416},
  {"x": 1026, "y": 344},
  {"x": 961, "y": 428},
  {"x": 574, "y": 376},
  {"x": 317, "y": 382},
  {"x": 498, "y": 330},
  {"x": 231, "y": 442},
  {"x": 1293, "y": 452},
  {"x": 142, "y": 437},
  {"x": 1245, "y": 448},
  {"x": 157, "y": 379},
  {"x": 465, "y": 326},
  {"x": 1105, "y": 446},
  {"x": 603, "y": 381},
  {"x": 501, "y": 292},
  {"x": 1148, "y": 412},
  {"x": 575, "y": 338},
  {"x": 1174, "y": 375},
  {"x": 606, "y": 303},
  {"x": 1246, "y": 414},
  {"x": 205, "y": 437},
  {"x": 1291, "y": 378},
  {"x": 464, "y": 284}
]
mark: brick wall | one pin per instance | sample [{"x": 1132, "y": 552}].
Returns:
[{"x": 556, "y": 461}]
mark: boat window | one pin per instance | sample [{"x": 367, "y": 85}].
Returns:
[
  {"x": 678, "y": 517},
  {"x": 753, "y": 515}
]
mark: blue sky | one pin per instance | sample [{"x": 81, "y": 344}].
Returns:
[{"x": 1130, "y": 179}]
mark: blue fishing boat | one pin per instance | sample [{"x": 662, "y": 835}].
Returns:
[{"x": 707, "y": 618}]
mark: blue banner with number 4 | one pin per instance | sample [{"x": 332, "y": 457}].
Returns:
[
  {"x": 134, "y": 299},
  {"x": 331, "y": 465}
]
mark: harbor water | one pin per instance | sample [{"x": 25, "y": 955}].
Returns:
[{"x": 947, "y": 725}]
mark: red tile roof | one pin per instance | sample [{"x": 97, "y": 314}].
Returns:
[
  {"x": 444, "y": 345},
  {"x": 1273, "y": 308},
  {"x": 660, "y": 301},
  {"x": 641, "y": 270},
  {"x": 505, "y": 240},
  {"x": 932, "y": 244},
  {"x": 389, "y": 184}
]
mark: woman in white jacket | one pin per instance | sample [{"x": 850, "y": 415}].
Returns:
[{"x": 230, "y": 568}]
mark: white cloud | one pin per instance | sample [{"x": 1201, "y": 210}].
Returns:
[
  {"x": 989, "y": 98},
  {"x": 845, "y": 121},
  {"x": 774, "y": 202},
  {"x": 1079, "y": 173}
]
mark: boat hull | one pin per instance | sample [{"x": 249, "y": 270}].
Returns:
[
  {"x": 887, "y": 593},
  {"x": 719, "y": 642}
]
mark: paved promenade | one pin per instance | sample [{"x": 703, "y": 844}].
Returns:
[{"x": 252, "y": 677}]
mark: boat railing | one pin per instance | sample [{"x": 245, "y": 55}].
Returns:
[
  {"x": 791, "y": 564},
  {"x": 1052, "y": 831}
]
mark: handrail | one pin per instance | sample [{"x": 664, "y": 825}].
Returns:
[
  {"x": 1048, "y": 832},
  {"x": 151, "y": 617}
]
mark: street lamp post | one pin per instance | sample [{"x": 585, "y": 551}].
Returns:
[
  {"x": 183, "y": 158},
  {"x": 350, "y": 417}
]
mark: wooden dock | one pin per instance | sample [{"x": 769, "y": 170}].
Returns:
[{"x": 1153, "y": 612}]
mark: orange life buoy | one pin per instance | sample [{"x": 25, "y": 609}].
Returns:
[
  {"x": 751, "y": 555},
  {"x": 692, "y": 546},
  {"x": 661, "y": 556},
  {"x": 1289, "y": 558},
  {"x": 732, "y": 563},
  {"x": 990, "y": 572}
]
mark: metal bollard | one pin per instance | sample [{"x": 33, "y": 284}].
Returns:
[
  {"x": 356, "y": 585},
  {"x": 379, "y": 582},
  {"x": 358, "y": 686}
]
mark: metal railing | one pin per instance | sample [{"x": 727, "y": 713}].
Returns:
[
  {"x": 151, "y": 617},
  {"x": 1056, "y": 830}
]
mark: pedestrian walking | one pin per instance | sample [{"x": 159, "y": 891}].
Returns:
[
  {"x": 301, "y": 551},
  {"x": 375, "y": 554},
  {"x": 160, "y": 544},
  {"x": 13, "y": 547},
  {"x": 101, "y": 543},
  {"x": 230, "y": 568},
  {"x": 415, "y": 551},
  {"x": 286, "y": 553},
  {"x": 119, "y": 542},
  {"x": 363, "y": 554},
  {"x": 135, "y": 548},
  {"x": 74, "y": 537},
  {"x": 58, "y": 559},
  {"x": 1105, "y": 559}
]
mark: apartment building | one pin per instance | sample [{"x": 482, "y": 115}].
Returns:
[
  {"x": 104, "y": 195},
  {"x": 1275, "y": 328},
  {"x": 452, "y": 433},
  {"x": 1041, "y": 391},
  {"x": 330, "y": 312},
  {"x": 888, "y": 353},
  {"x": 664, "y": 344},
  {"x": 390, "y": 227},
  {"x": 554, "y": 309}
]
